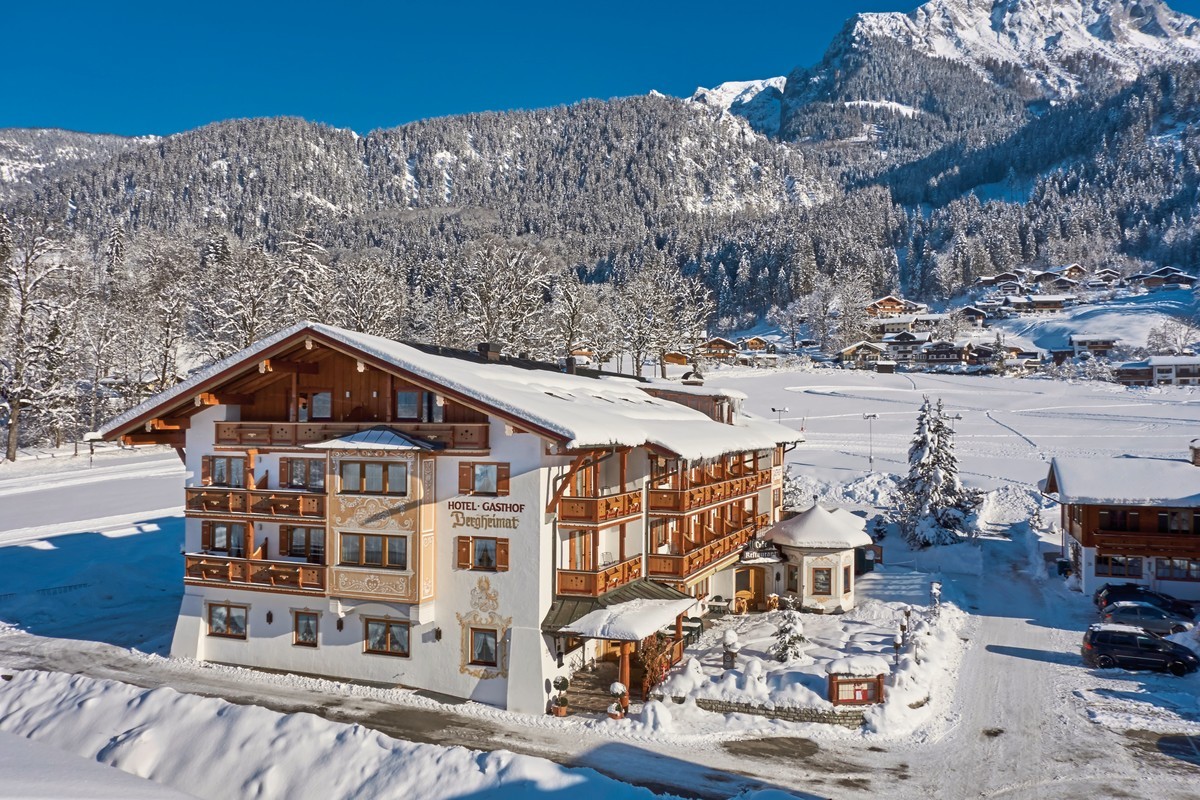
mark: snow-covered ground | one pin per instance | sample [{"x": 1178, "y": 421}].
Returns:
[{"x": 93, "y": 592}]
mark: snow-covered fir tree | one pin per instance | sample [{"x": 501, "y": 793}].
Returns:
[
  {"x": 934, "y": 503},
  {"x": 789, "y": 636}
]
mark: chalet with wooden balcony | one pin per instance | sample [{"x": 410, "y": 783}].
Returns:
[
  {"x": 367, "y": 509},
  {"x": 1131, "y": 519},
  {"x": 1160, "y": 371}
]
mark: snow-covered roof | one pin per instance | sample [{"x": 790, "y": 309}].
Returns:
[
  {"x": 858, "y": 666},
  {"x": 1091, "y": 337},
  {"x": 582, "y": 411},
  {"x": 1125, "y": 481},
  {"x": 378, "y": 438},
  {"x": 819, "y": 529},
  {"x": 631, "y": 621},
  {"x": 1162, "y": 361}
]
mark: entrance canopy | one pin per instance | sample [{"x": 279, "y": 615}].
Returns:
[{"x": 631, "y": 621}]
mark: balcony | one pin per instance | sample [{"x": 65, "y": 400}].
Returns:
[
  {"x": 207, "y": 570},
  {"x": 593, "y": 583},
  {"x": 1168, "y": 545},
  {"x": 274, "y": 504},
  {"x": 683, "y": 500},
  {"x": 687, "y": 564},
  {"x": 596, "y": 510},
  {"x": 473, "y": 437}
]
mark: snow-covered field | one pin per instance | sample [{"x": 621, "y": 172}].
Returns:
[{"x": 1010, "y": 701}]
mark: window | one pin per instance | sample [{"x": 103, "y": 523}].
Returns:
[
  {"x": 1119, "y": 566},
  {"x": 304, "y": 628},
  {"x": 793, "y": 578},
  {"x": 374, "y": 550},
  {"x": 1177, "y": 569},
  {"x": 1117, "y": 519},
  {"x": 847, "y": 577},
  {"x": 483, "y": 478},
  {"x": 223, "y": 471},
  {"x": 224, "y": 537},
  {"x": 579, "y": 550},
  {"x": 484, "y": 553},
  {"x": 306, "y": 543},
  {"x": 321, "y": 405},
  {"x": 822, "y": 581},
  {"x": 374, "y": 477},
  {"x": 408, "y": 405},
  {"x": 386, "y": 637},
  {"x": 483, "y": 647},
  {"x": 227, "y": 620},
  {"x": 302, "y": 473},
  {"x": 660, "y": 534},
  {"x": 1173, "y": 522}
]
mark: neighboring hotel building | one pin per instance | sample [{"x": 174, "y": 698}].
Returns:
[
  {"x": 365, "y": 509},
  {"x": 1131, "y": 519}
]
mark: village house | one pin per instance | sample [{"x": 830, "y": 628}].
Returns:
[
  {"x": 1098, "y": 345},
  {"x": 944, "y": 353},
  {"x": 758, "y": 344},
  {"x": 891, "y": 306},
  {"x": 719, "y": 349},
  {"x": 862, "y": 355},
  {"x": 370, "y": 510},
  {"x": 1166, "y": 276},
  {"x": 1131, "y": 519},
  {"x": 881, "y": 327},
  {"x": 973, "y": 315},
  {"x": 1037, "y": 303},
  {"x": 1160, "y": 371},
  {"x": 903, "y": 347},
  {"x": 1106, "y": 275}
]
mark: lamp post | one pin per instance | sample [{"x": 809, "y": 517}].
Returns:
[
  {"x": 870, "y": 418},
  {"x": 779, "y": 412},
  {"x": 953, "y": 418}
]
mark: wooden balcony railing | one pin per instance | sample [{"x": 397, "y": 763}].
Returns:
[
  {"x": 599, "y": 509},
  {"x": 293, "y": 434},
  {"x": 595, "y": 583},
  {"x": 1177, "y": 545},
  {"x": 209, "y": 569},
  {"x": 686, "y": 564},
  {"x": 259, "y": 503},
  {"x": 701, "y": 496}
]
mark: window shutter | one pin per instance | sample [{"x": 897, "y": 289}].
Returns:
[
  {"x": 285, "y": 540},
  {"x": 502, "y": 555},
  {"x": 465, "y": 478},
  {"x": 284, "y": 472},
  {"x": 502, "y": 475},
  {"x": 206, "y": 534},
  {"x": 464, "y": 552},
  {"x": 206, "y": 471}
]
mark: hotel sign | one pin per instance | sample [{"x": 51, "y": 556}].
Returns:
[{"x": 486, "y": 515}]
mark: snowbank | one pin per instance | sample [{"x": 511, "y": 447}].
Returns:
[{"x": 200, "y": 746}]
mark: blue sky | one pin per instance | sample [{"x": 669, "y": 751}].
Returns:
[{"x": 161, "y": 67}]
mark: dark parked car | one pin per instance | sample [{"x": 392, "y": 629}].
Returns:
[
  {"x": 1144, "y": 615},
  {"x": 1106, "y": 646},
  {"x": 1111, "y": 593}
]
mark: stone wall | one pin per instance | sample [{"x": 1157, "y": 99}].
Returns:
[{"x": 849, "y": 717}]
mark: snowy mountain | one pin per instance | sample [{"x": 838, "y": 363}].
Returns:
[
  {"x": 759, "y": 102},
  {"x": 28, "y": 155},
  {"x": 1059, "y": 46}
]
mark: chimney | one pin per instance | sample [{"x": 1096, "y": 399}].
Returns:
[
  {"x": 489, "y": 351},
  {"x": 1195, "y": 448}
]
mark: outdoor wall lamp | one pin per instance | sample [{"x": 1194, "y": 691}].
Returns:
[
  {"x": 437, "y": 634},
  {"x": 270, "y": 617}
]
